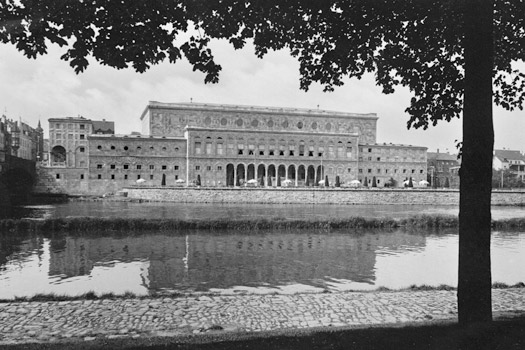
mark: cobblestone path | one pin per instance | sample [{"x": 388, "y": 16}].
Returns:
[{"x": 52, "y": 321}]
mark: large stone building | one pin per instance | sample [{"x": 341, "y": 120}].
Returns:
[{"x": 227, "y": 145}]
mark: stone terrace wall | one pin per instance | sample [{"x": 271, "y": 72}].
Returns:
[{"x": 314, "y": 196}]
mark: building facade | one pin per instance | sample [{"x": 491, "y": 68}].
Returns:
[
  {"x": 68, "y": 140},
  {"x": 443, "y": 169},
  {"x": 232, "y": 145},
  {"x": 227, "y": 145},
  {"x": 18, "y": 139},
  {"x": 510, "y": 159}
]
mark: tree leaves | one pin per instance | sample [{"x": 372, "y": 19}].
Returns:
[{"x": 411, "y": 43}]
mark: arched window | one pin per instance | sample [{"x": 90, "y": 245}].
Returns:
[{"x": 340, "y": 150}]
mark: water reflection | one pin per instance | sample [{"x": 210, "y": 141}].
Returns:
[{"x": 235, "y": 261}]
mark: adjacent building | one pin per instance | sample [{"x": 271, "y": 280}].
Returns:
[
  {"x": 510, "y": 159},
  {"x": 443, "y": 169},
  {"x": 229, "y": 145},
  {"x": 18, "y": 139}
]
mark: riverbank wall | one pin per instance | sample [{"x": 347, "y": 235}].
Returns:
[{"x": 312, "y": 196}]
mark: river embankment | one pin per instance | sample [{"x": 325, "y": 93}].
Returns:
[
  {"x": 314, "y": 195},
  {"x": 94, "y": 226}
]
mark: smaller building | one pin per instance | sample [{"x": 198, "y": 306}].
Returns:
[
  {"x": 68, "y": 140},
  {"x": 443, "y": 169},
  {"x": 18, "y": 139},
  {"x": 505, "y": 159}
]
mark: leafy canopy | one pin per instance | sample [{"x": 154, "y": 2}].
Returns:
[{"x": 411, "y": 43}]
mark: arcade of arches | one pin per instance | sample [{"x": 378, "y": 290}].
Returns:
[{"x": 274, "y": 175}]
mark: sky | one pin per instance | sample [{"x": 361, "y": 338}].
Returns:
[{"x": 33, "y": 90}]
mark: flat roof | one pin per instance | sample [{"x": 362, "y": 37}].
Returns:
[
  {"x": 134, "y": 137},
  {"x": 259, "y": 109}
]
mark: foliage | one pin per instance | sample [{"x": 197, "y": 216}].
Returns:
[
  {"x": 411, "y": 43},
  {"x": 100, "y": 226},
  {"x": 337, "y": 181},
  {"x": 326, "y": 183},
  {"x": 374, "y": 182},
  {"x": 505, "y": 178},
  {"x": 391, "y": 183}
]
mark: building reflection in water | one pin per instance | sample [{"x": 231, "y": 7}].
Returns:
[{"x": 203, "y": 261}]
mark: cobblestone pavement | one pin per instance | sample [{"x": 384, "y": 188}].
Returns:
[{"x": 89, "y": 319}]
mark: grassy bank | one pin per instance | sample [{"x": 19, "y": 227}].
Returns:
[
  {"x": 51, "y": 297},
  {"x": 88, "y": 224}
]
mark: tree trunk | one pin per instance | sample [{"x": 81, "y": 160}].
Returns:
[{"x": 474, "y": 284}]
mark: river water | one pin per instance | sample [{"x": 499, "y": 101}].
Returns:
[{"x": 241, "y": 262}]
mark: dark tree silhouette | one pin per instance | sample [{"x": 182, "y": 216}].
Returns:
[
  {"x": 410, "y": 182},
  {"x": 337, "y": 181},
  {"x": 326, "y": 183},
  {"x": 374, "y": 182},
  {"x": 449, "y": 53}
]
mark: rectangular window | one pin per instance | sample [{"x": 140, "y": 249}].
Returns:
[
  {"x": 219, "y": 167},
  {"x": 151, "y": 176},
  {"x": 360, "y": 171},
  {"x": 208, "y": 147},
  {"x": 138, "y": 177},
  {"x": 230, "y": 148},
  {"x": 208, "y": 167},
  {"x": 197, "y": 167},
  {"x": 139, "y": 166},
  {"x": 81, "y": 176},
  {"x": 82, "y": 126},
  {"x": 176, "y": 167},
  {"x": 369, "y": 150},
  {"x": 112, "y": 176},
  {"x": 369, "y": 171},
  {"x": 349, "y": 170},
  {"x": 99, "y": 166},
  {"x": 197, "y": 148},
  {"x": 125, "y": 176},
  {"x": 57, "y": 126},
  {"x": 164, "y": 167},
  {"x": 82, "y": 149},
  {"x": 404, "y": 171},
  {"x": 112, "y": 166},
  {"x": 99, "y": 176},
  {"x": 378, "y": 159},
  {"x": 176, "y": 177},
  {"x": 219, "y": 148},
  {"x": 421, "y": 171},
  {"x": 126, "y": 166},
  {"x": 82, "y": 136},
  {"x": 379, "y": 171},
  {"x": 58, "y": 136},
  {"x": 151, "y": 167},
  {"x": 348, "y": 152}
]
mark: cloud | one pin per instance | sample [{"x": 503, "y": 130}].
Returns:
[{"x": 48, "y": 87}]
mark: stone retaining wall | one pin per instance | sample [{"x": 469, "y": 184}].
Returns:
[{"x": 313, "y": 196}]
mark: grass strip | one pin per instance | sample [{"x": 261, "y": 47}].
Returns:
[{"x": 90, "y": 224}]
